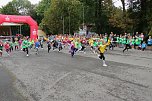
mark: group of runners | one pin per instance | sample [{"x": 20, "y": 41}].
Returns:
[{"x": 97, "y": 44}]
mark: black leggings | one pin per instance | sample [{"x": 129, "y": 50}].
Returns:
[
  {"x": 11, "y": 49},
  {"x": 127, "y": 47},
  {"x": 16, "y": 47},
  {"x": 49, "y": 47},
  {"x": 102, "y": 56},
  {"x": 26, "y": 50}
]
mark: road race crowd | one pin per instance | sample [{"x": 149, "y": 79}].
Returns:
[{"x": 98, "y": 44}]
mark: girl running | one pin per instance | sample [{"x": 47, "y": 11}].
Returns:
[
  {"x": 72, "y": 49},
  {"x": 102, "y": 49},
  {"x": 7, "y": 48}
]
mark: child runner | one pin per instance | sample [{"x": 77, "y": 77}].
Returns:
[
  {"x": 60, "y": 45},
  {"x": 25, "y": 46},
  {"x": 72, "y": 49},
  {"x": 16, "y": 44},
  {"x": 37, "y": 45},
  {"x": 7, "y": 48},
  {"x": 49, "y": 45},
  {"x": 20, "y": 43},
  {"x": 143, "y": 46},
  {"x": 102, "y": 49},
  {"x": 1, "y": 48},
  {"x": 11, "y": 46},
  {"x": 127, "y": 44}
]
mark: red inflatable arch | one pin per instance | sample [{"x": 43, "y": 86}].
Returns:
[{"x": 22, "y": 19}]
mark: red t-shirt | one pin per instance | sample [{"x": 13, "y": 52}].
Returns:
[{"x": 7, "y": 46}]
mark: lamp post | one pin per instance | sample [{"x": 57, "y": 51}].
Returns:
[
  {"x": 83, "y": 17},
  {"x": 62, "y": 24},
  {"x": 20, "y": 29},
  {"x": 69, "y": 21}
]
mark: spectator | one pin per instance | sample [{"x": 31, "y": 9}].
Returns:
[
  {"x": 143, "y": 46},
  {"x": 150, "y": 41}
]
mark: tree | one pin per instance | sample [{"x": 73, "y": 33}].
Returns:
[
  {"x": 139, "y": 11},
  {"x": 9, "y": 9},
  {"x": 41, "y": 8},
  {"x": 99, "y": 12},
  {"x": 59, "y": 13},
  {"x": 123, "y": 5}
]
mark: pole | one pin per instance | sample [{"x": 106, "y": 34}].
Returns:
[
  {"x": 63, "y": 25},
  {"x": 20, "y": 29},
  {"x": 83, "y": 17},
  {"x": 69, "y": 22}
]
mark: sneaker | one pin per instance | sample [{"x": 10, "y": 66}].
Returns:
[
  {"x": 104, "y": 65},
  {"x": 27, "y": 55}
]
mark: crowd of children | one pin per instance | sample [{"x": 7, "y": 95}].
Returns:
[{"x": 96, "y": 43}]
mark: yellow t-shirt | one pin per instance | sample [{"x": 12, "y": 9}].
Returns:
[
  {"x": 102, "y": 48},
  {"x": 91, "y": 42}
]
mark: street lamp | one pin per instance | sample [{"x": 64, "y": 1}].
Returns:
[
  {"x": 62, "y": 17},
  {"x": 69, "y": 21},
  {"x": 83, "y": 17}
]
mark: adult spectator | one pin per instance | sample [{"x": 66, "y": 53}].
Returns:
[{"x": 150, "y": 41}]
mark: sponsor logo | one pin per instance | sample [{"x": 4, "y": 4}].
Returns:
[{"x": 7, "y": 18}]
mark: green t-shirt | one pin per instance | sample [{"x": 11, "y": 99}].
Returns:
[
  {"x": 11, "y": 44},
  {"x": 128, "y": 41},
  {"x": 16, "y": 43},
  {"x": 95, "y": 44},
  {"x": 117, "y": 39},
  {"x": 76, "y": 44},
  {"x": 105, "y": 39},
  {"x": 124, "y": 40},
  {"x": 100, "y": 43},
  {"x": 138, "y": 41},
  {"x": 133, "y": 41},
  {"x": 1, "y": 47},
  {"x": 120, "y": 40},
  {"x": 79, "y": 45},
  {"x": 25, "y": 44}
]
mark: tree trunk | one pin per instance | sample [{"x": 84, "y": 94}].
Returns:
[
  {"x": 123, "y": 5},
  {"x": 98, "y": 16}
]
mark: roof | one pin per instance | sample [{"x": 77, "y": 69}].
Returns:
[{"x": 10, "y": 24}]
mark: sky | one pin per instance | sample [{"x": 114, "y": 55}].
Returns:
[
  {"x": 117, "y": 3},
  {"x": 4, "y": 2}
]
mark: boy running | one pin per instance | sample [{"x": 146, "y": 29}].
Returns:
[{"x": 37, "y": 45}]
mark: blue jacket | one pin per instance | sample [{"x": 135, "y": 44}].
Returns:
[
  {"x": 143, "y": 45},
  {"x": 149, "y": 41},
  {"x": 37, "y": 44}
]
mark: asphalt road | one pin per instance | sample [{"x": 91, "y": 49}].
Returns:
[
  {"x": 7, "y": 90},
  {"x": 55, "y": 76}
]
